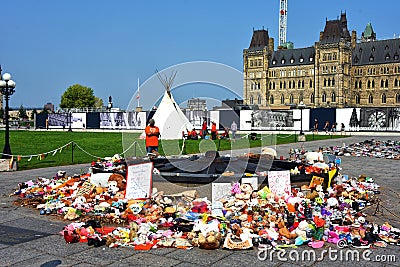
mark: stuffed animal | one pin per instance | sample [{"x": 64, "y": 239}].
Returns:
[
  {"x": 121, "y": 181},
  {"x": 301, "y": 229},
  {"x": 283, "y": 231}
]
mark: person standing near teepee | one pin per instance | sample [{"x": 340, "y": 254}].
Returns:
[{"x": 152, "y": 135}]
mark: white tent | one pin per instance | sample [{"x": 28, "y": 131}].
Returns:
[{"x": 170, "y": 118}]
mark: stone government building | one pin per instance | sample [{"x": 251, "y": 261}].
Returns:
[{"x": 338, "y": 71}]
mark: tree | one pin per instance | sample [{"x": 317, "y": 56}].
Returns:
[
  {"x": 78, "y": 96},
  {"x": 33, "y": 114},
  {"x": 98, "y": 102},
  {"x": 22, "y": 113}
]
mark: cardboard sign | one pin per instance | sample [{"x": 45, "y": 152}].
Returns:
[
  {"x": 139, "y": 181},
  {"x": 279, "y": 182},
  {"x": 220, "y": 191}
]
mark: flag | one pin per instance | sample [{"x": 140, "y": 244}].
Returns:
[{"x": 138, "y": 96}]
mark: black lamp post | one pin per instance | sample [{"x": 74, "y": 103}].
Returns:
[
  {"x": 70, "y": 121},
  {"x": 301, "y": 106},
  {"x": 7, "y": 89}
]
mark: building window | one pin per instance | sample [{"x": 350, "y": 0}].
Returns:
[
  {"x": 355, "y": 85},
  {"x": 373, "y": 84},
  {"x": 387, "y": 57},
  {"x": 251, "y": 100},
  {"x": 396, "y": 82},
  {"x": 333, "y": 97},
  {"x": 397, "y": 98},
  {"x": 386, "y": 83},
  {"x": 270, "y": 85},
  {"x": 360, "y": 84},
  {"x": 280, "y": 85},
  {"x": 333, "y": 81},
  {"x": 369, "y": 84},
  {"x": 311, "y": 59},
  {"x": 284, "y": 85},
  {"x": 283, "y": 61},
  {"x": 271, "y": 99},
  {"x": 274, "y": 62},
  {"x": 282, "y": 99},
  {"x": 311, "y": 83},
  {"x": 259, "y": 100},
  {"x": 301, "y": 59},
  {"x": 370, "y": 99},
  {"x": 312, "y": 98},
  {"x": 251, "y": 63},
  {"x": 357, "y": 99},
  {"x": 292, "y": 60},
  {"x": 382, "y": 84},
  {"x": 324, "y": 82},
  {"x": 301, "y": 97},
  {"x": 396, "y": 57},
  {"x": 323, "y": 97},
  {"x": 291, "y": 99},
  {"x": 371, "y": 58},
  {"x": 383, "y": 98}
]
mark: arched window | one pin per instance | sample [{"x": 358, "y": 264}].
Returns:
[
  {"x": 271, "y": 99},
  {"x": 396, "y": 82},
  {"x": 369, "y": 84},
  {"x": 324, "y": 82},
  {"x": 382, "y": 84},
  {"x": 370, "y": 99},
  {"x": 311, "y": 83},
  {"x": 355, "y": 85},
  {"x": 302, "y": 84},
  {"x": 358, "y": 99},
  {"x": 270, "y": 85},
  {"x": 251, "y": 100},
  {"x": 274, "y": 85},
  {"x": 329, "y": 82},
  {"x": 290, "y": 84},
  {"x": 398, "y": 98},
  {"x": 312, "y": 98},
  {"x": 333, "y": 97},
  {"x": 360, "y": 84},
  {"x": 291, "y": 99},
  {"x": 323, "y": 97},
  {"x": 284, "y": 85},
  {"x": 280, "y": 85},
  {"x": 259, "y": 100},
  {"x": 299, "y": 84},
  {"x": 282, "y": 99},
  {"x": 383, "y": 98},
  {"x": 386, "y": 83},
  {"x": 301, "y": 97},
  {"x": 373, "y": 84},
  {"x": 333, "y": 81},
  {"x": 294, "y": 84}
]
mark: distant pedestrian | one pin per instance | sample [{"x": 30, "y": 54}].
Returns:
[
  {"x": 333, "y": 128},
  {"x": 204, "y": 129},
  {"x": 342, "y": 129},
  {"x": 152, "y": 135},
  {"x": 214, "y": 130},
  {"x": 234, "y": 129},
  {"x": 315, "y": 126},
  {"x": 326, "y": 127}
]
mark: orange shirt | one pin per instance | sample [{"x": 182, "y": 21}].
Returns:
[
  {"x": 214, "y": 127},
  {"x": 152, "y": 134}
]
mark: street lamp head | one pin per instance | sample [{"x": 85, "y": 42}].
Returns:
[
  {"x": 2, "y": 84},
  {"x": 6, "y": 77},
  {"x": 11, "y": 84}
]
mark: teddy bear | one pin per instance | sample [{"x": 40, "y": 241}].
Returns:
[
  {"x": 119, "y": 179},
  {"x": 301, "y": 229},
  {"x": 284, "y": 231}
]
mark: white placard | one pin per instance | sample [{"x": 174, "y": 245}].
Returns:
[
  {"x": 253, "y": 181},
  {"x": 100, "y": 179},
  {"x": 220, "y": 190},
  {"x": 139, "y": 181},
  {"x": 279, "y": 182}
]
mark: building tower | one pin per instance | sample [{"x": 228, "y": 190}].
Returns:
[{"x": 282, "y": 22}]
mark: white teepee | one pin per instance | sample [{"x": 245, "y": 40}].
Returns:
[{"x": 169, "y": 117}]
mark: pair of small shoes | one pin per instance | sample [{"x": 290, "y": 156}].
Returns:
[{"x": 357, "y": 243}]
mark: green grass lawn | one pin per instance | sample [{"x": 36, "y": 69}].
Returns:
[{"x": 38, "y": 149}]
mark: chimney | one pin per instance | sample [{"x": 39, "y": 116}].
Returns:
[
  {"x": 353, "y": 39},
  {"x": 271, "y": 45}
]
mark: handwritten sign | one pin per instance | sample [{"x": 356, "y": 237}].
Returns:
[
  {"x": 279, "y": 182},
  {"x": 139, "y": 181},
  {"x": 220, "y": 191},
  {"x": 253, "y": 181}
]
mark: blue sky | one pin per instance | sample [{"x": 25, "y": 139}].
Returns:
[{"x": 50, "y": 45}]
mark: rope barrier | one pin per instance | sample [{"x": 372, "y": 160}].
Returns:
[{"x": 54, "y": 151}]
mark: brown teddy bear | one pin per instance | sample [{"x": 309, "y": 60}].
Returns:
[{"x": 121, "y": 181}]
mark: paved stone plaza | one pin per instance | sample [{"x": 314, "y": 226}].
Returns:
[{"x": 30, "y": 239}]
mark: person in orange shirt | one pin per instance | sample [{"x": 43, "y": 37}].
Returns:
[
  {"x": 214, "y": 131},
  {"x": 152, "y": 135}
]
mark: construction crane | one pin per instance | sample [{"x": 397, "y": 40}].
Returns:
[{"x": 282, "y": 22}]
